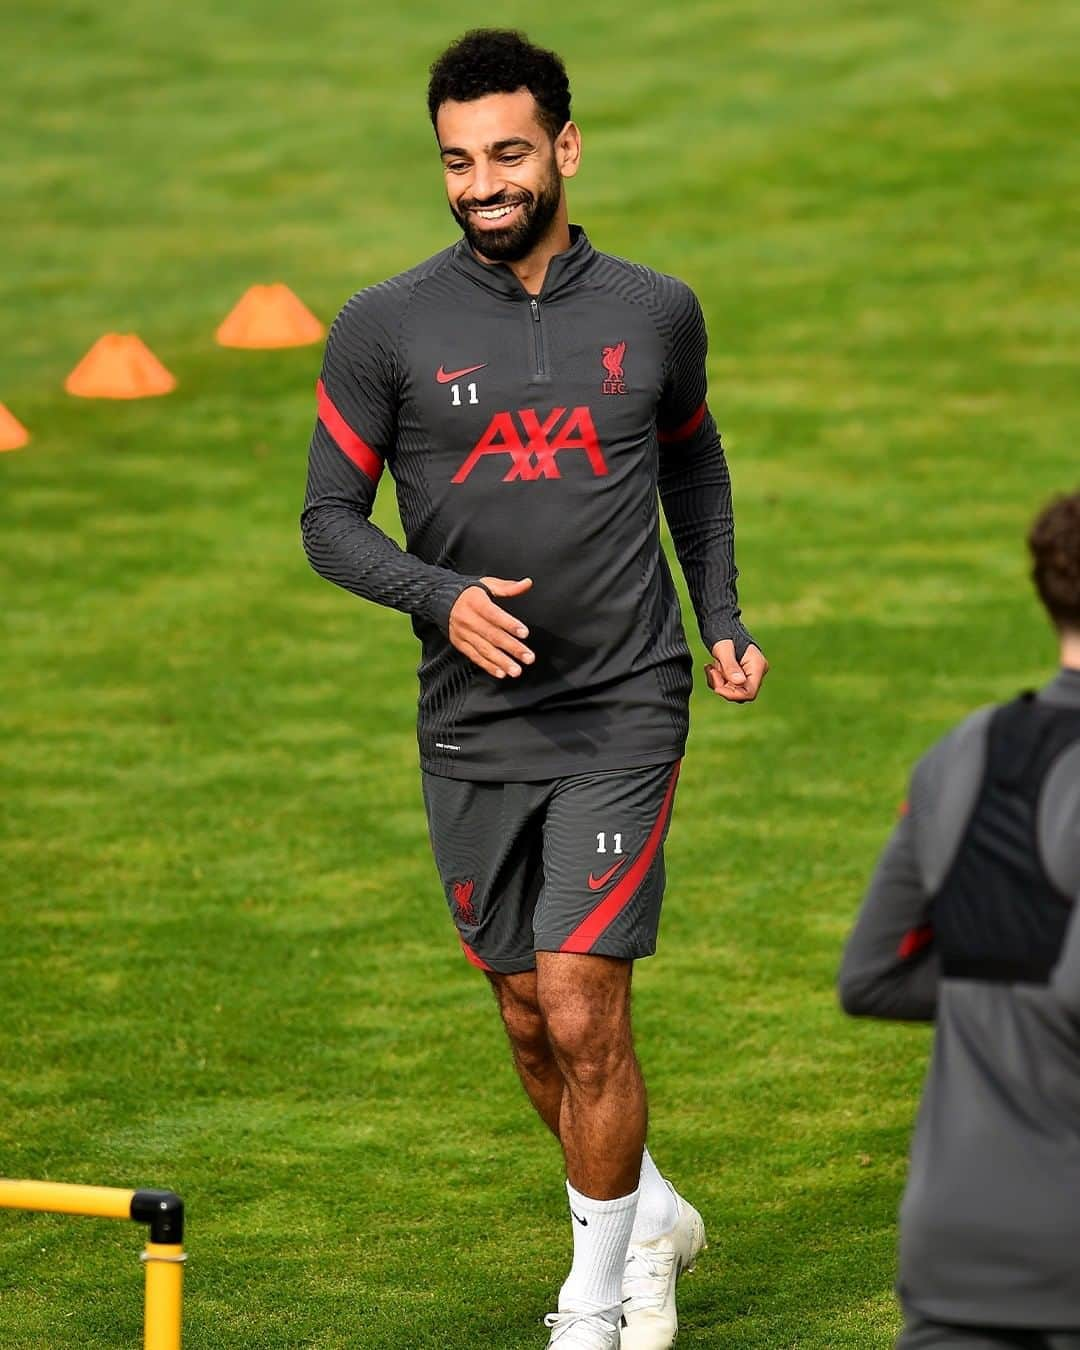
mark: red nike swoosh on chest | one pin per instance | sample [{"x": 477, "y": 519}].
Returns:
[
  {"x": 597, "y": 883},
  {"x": 445, "y": 376}
]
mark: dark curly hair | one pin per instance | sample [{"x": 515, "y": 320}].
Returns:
[
  {"x": 1054, "y": 541},
  {"x": 501, "y": 61}
]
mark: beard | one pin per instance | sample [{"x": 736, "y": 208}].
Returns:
[{"x": 517, "y": 241}]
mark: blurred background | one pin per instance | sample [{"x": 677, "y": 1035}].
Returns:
[{"x": 225, "y": 963}]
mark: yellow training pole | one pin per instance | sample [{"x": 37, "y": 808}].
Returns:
[
  {"x": 164, "y": 1294},
  {"x": 57, "y": 1197},
  {"x": 164, "y": 1255}
]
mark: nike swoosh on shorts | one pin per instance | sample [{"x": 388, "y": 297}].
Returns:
[{"x": 598, "y": 883}]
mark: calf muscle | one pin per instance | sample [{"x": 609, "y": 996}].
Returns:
[
  {"x": 570, "y": 1034},
  {"x": 532, "y": 1054}
]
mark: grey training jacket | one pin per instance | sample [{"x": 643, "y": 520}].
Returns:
[{"x": 990, "y": 1220}]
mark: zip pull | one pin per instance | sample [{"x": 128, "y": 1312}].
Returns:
[{"x": 540, "y": 371}]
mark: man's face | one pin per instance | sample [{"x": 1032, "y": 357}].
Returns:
[{"x": 503, "y": 174}]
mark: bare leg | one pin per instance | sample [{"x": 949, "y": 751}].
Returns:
[
  {"x": 584, "y": 1002},
  {"x": 569, "y": 1029},
  {"x": 534, "y": 1060}
]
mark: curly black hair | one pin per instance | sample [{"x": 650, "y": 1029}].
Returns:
[
  {"x": 1054, "y": 543},
  {"x": 501, "y": 61}
]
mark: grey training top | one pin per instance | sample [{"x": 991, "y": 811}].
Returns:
[
  {"x": 528, "y": 436},
  {"x": 990, "y": 1221}
]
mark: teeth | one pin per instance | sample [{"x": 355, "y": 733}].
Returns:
[{"x": 495, "y": 213}]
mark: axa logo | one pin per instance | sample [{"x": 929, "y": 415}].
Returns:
[{"x": 532, "y": 443}]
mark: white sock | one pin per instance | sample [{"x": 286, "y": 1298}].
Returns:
[
  {"x": 601, "y": 1237},
  {"x": 657, "y": 1210}
]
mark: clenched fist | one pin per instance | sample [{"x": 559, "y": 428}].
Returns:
[{"x": 737, "y": 681}]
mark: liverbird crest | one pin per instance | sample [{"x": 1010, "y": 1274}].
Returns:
[{"x": 612, "y": 357}]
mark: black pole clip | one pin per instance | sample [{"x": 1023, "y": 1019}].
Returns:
[{"x": 163, "y": 1211}]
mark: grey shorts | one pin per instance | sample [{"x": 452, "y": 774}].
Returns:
[
  {"x": 920, "y": 1333},
  {"x": 569, "y": 865}
]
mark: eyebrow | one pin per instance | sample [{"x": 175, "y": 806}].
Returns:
[{"x": 492, "y": 149}]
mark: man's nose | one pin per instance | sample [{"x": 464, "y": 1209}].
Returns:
[{"x": 487, "y": 181}]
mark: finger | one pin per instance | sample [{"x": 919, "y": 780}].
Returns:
[
  {"x": 501, "y": 586},
  {"x": 756, "y": 668},
  {"x": 471, "y": 632},
  {"x": 502, "y": 662},
  {"x": 492, "y": 614},
  {"x": 478, "y": 603},
  {"x": 475, "y": 612},
  {"x": 479, "y": 657},
  {"x": 734, "y": 693},
  {"x": 724, "y": 654},
  {"x": 477, "y": 626},
  {"x": 730, "y": 694},
  {"x": 503, "y": 642}
]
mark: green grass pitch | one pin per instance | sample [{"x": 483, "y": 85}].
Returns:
[{"x": 225, "y": 966}]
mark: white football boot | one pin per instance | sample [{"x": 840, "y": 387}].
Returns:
[
  {"x": 581, "y": 1331},
  {"x": 650, "y": 1321}
]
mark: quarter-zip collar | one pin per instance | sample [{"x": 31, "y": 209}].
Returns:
[
  {"x": 1064, "y": 688},
  {"x": 564, "y": 269}
]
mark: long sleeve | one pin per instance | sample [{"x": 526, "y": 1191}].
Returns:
[
  {"x": 353, "y": 437},
  {"x": 1059, "y": 844},
  {"x": 889, "y": 967},
  {"x": 1065, "y": 980},
  {"x": 695, "y": 486}
]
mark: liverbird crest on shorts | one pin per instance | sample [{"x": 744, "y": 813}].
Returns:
[
  {"x": 462, "y": 892},
  {"x": 612, "y": 357}
]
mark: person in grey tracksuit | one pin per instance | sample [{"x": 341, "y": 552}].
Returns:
[{"x": 970, "y": 922}]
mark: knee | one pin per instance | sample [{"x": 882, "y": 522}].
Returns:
[
  {"x": 590, "y": 1049},
  {"x": 529, "y": 1039},
  {"x": 524, "y": 1025}
]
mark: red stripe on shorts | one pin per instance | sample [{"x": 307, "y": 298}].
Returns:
[
  {"x": 471, "y": 956},
  {"x": 608, "y": 910}
]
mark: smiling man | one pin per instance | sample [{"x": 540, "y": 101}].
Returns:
[{"x": 530, "y": 396}]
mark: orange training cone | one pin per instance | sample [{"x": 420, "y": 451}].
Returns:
[
  {"x": 119, "y": 365},
  {"x": 13, "y": 435},
  {"x": 269, "y": 316}
]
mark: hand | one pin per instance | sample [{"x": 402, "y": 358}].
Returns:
[
  {"x": 488, "y": 635},
  {"x": 737, "y": 681}
]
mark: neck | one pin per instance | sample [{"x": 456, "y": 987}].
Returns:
[
  {"x": 1070, "y": 650},
  {"x": 532, "y": 269}
]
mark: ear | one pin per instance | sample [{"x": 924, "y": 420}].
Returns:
[{"x": 568, "y": 150}]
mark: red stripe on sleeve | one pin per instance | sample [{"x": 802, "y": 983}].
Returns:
[
  {"x": 608, "y": 910},
  {"x": 913, "y": 941},
  {"x": 471, "y": 956},
  {"x": 347, "y": 441},
  {"x": 686, "y": 430}
]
